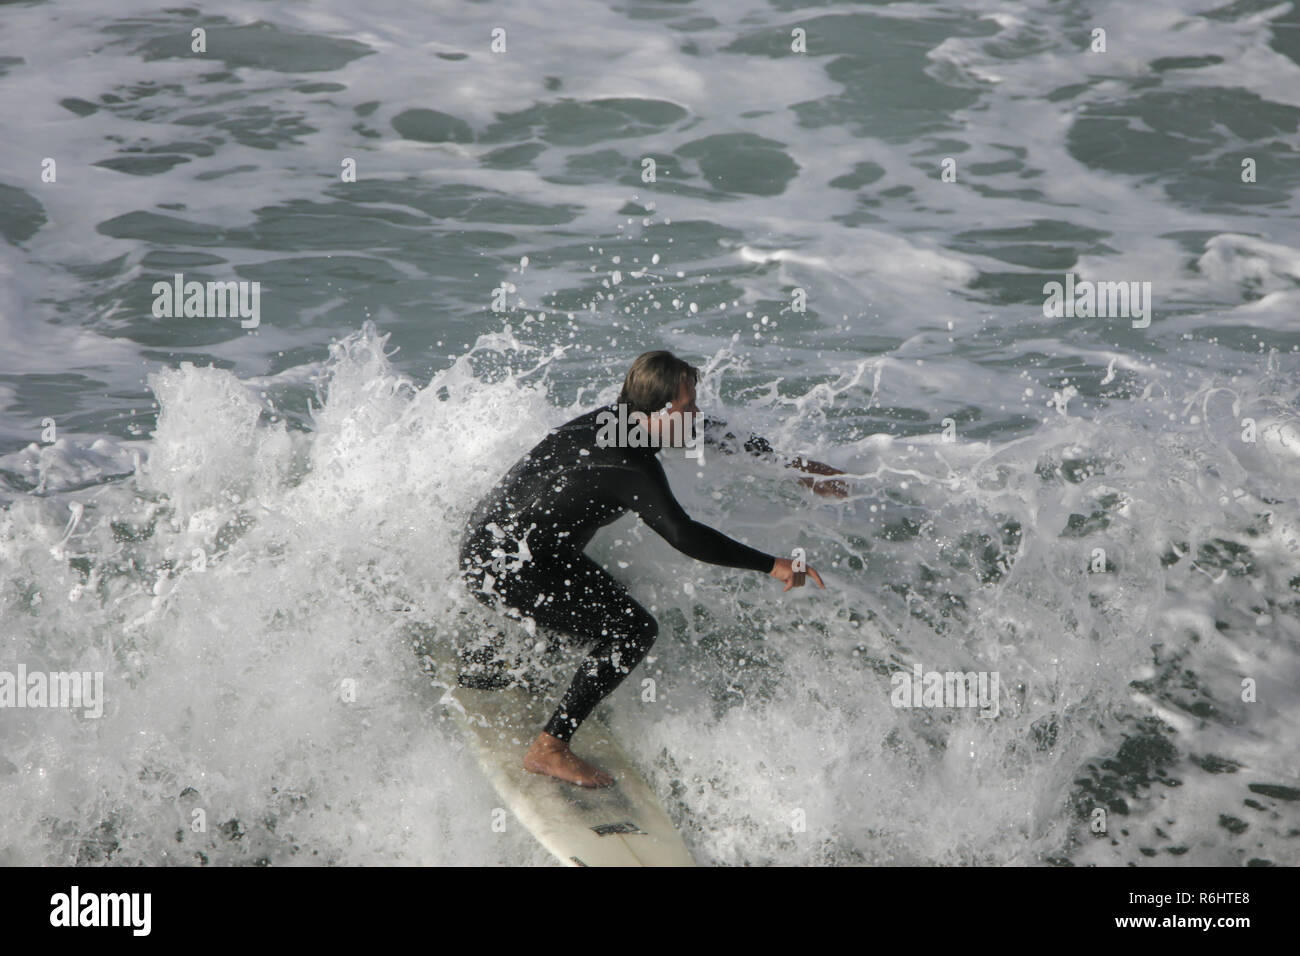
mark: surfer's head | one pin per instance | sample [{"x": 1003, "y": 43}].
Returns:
[{"x": 662, "y": 387}]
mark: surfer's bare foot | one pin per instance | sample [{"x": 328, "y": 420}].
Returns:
[{"x": 552, "y": 756}]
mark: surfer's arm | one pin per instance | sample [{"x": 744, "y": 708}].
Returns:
[
  {"x": 647, "y": 493},
  {"x": 717, "y": 436}
]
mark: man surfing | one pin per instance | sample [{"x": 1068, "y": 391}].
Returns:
[{"x": 522, "y": 551}]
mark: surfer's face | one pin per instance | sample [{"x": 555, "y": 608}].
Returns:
[{"x": 672, "y": 425}]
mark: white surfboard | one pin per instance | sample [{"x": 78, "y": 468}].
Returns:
[{"x": 620, "y": 825}]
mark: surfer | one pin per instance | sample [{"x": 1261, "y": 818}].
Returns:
[{"x": 522, "y": 548}]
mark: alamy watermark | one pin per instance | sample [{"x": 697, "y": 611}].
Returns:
[
  {"x": 1085, "y": 299},
  {"x": 632, "y": 430},
  {"x": 922, "y": 688},
  {"x": 210, "y": 300},
  {"x": 130, "y": 910},
  {"x": 72, "y": 689}
]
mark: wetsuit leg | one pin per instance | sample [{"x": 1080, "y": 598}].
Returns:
[{"x": 573, "y": 594}]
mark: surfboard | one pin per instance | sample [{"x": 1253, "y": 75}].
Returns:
[{"x": 621, "y": 825}]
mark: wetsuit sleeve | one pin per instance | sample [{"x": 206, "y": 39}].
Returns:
[
  {"x": 647, "y": 493},
  {"x": 717, "y": 436}
]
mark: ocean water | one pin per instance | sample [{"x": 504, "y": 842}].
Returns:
[{"x": 234, "y": 524}]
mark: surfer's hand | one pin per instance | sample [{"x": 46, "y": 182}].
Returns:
[
  {"x": 828, "y": 488},
  {"x": 784, "y": 570}
]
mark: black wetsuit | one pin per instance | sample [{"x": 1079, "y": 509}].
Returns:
[{"x": 523, "y": 548}]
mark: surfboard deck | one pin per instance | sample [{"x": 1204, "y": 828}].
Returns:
[{"x": 621, "y": 825}]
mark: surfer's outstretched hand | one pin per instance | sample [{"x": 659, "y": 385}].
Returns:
[
  {"x": 827, "y": 488},
  {"x": 832, "y": 488},
  {"x": 784, "y": 570}
]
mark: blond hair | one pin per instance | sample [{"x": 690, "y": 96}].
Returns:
[{"x": 654, "y": 380}]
